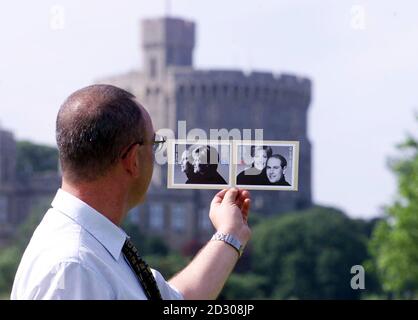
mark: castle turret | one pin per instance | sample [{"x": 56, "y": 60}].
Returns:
[{"x": 166, "y": 42}]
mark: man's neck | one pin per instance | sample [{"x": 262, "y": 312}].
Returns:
[{"x": 102, "y": 196}]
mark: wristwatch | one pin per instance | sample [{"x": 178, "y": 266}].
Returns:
[{"x": 231, "y": 240}]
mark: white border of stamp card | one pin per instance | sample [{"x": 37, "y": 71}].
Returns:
[
  {"x": 233, "y": 161},
  {"x": 171, "y": 164},
  {"x": 295, "y": 164}
]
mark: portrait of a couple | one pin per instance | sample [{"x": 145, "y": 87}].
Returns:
[
  {"x": 200, "y": 165},
  {"x": 265, "y": 168}
]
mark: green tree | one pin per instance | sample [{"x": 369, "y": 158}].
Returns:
[
  {"x": 168, "y": 265},
  {"x": 10, "y": 256},
  {"x": 35, "y": 158},
  {"x": 9, "y": 261},
  {"x": 146, "y": 244},
  {"x": 394, "y": 244},
  {"x": 244, "y": 286},
  {"x": 309, "y": 254}
]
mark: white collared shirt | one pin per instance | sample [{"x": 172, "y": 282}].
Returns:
[{"x": 75, "y": 253}]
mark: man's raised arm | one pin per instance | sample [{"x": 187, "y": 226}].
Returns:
[{"x": 206, "y": 275}]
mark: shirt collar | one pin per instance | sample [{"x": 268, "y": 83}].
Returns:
[{"x": 105, "y": 231}]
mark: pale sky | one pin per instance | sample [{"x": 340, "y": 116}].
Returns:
[{"x": 362, "y": 57}]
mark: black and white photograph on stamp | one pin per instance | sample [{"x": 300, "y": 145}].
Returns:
[
  {"x": 268, "y": 165},
  {"x": 200, "y": 165}
]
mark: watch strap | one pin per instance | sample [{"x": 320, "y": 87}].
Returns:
[{"x": 231, "y": 240}]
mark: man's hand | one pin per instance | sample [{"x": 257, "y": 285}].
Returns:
[
  {"x": 229, "y": 213},
  {"x": 205, "y": 276}
]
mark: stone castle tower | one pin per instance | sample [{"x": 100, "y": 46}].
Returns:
[{"x": 172, "y": 90}]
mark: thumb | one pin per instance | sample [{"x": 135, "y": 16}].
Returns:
[{"x": 230, "y": 196}]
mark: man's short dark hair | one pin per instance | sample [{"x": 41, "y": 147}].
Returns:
[
  {"x": 283, "y": 161},
  {"x": 93, "y": 126},
  {"x": 268, "y": 150}
]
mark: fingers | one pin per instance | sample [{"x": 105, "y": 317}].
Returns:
[
  {"x": 246, "y": 209},
  {"x": 245, "y": 202},
  {"x": 217, "y": 199},
  {"x": 231, "y": 196},
  {"x": 221, "y": 193},
  {"x": 244, "y": 194}
]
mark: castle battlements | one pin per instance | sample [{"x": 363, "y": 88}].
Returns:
[{"x": 213, "y": 84}]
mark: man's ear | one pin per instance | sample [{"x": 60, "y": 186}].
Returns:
[
  {"x": 284, "y": 169},
  {"x": 130, "y": 162}
]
